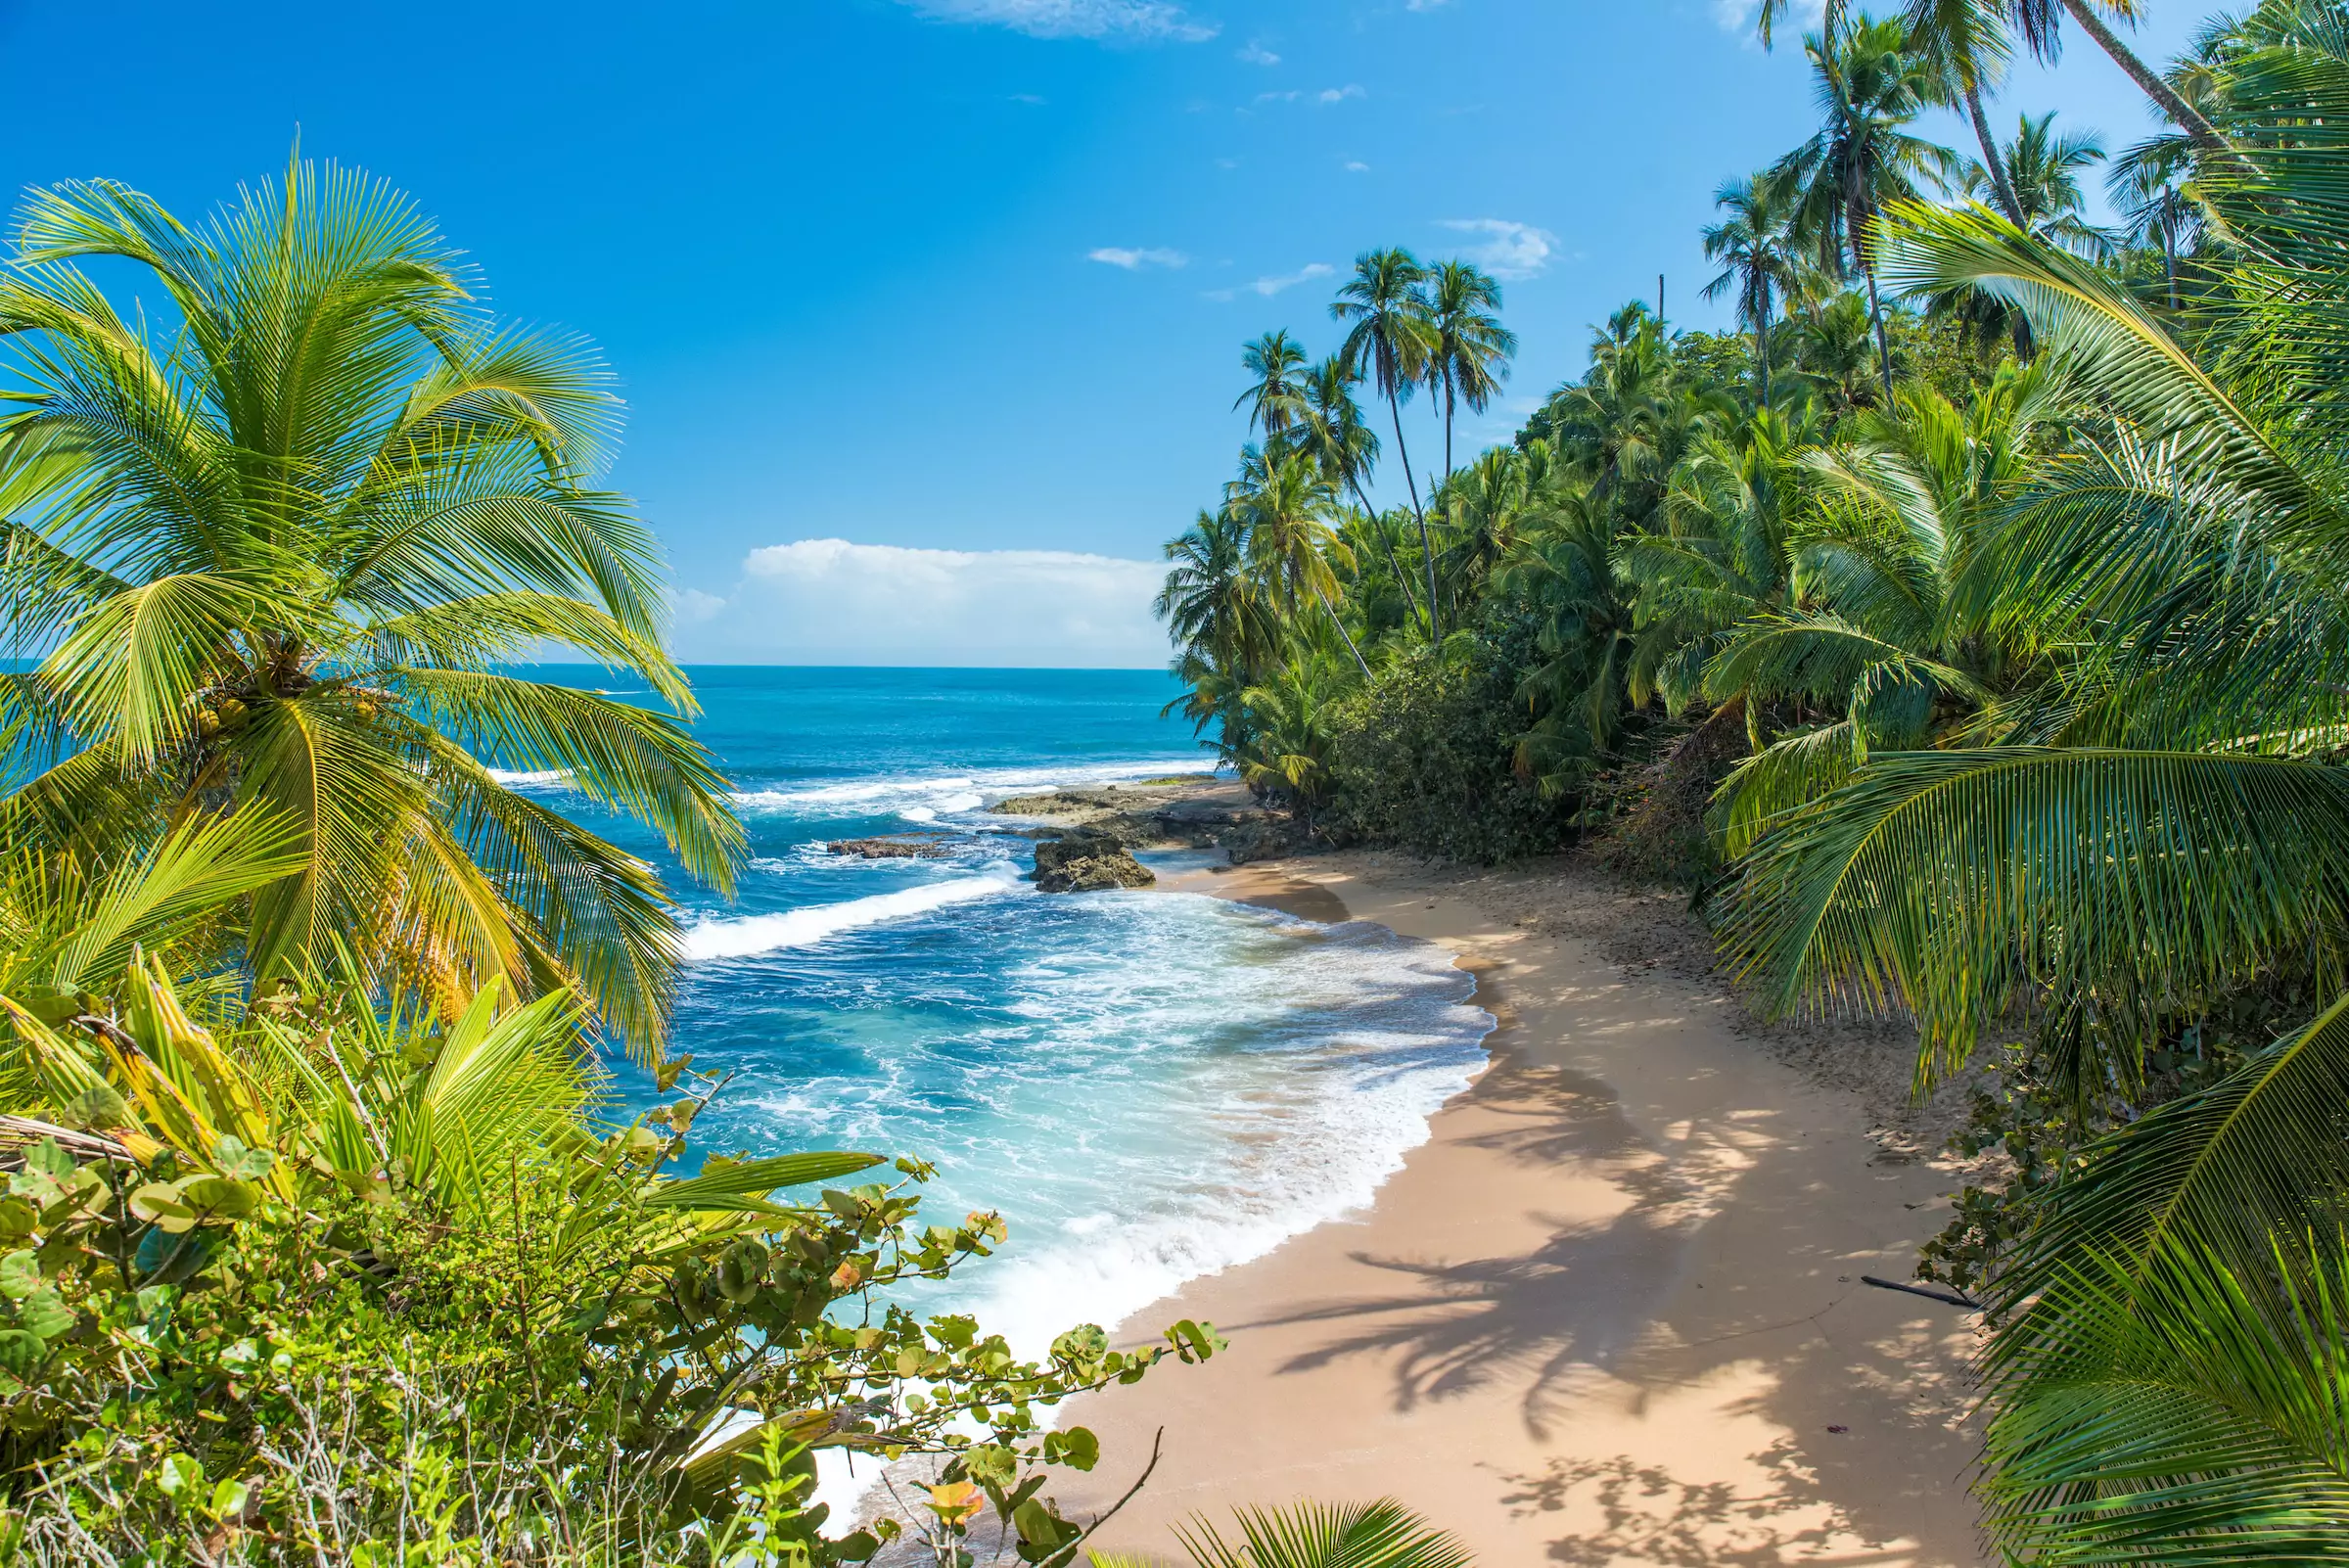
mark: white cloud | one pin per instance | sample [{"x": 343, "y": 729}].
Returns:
[
  {"x": 1357, "y": 166},
  {"x": 828, "y": 601},
  {"x": 1255, "y": 54},
  {"x": 1133, "y": 260},
  {"x": 1151, "y": 19},
  {"x": 1435, "y": 5},
  {"x": 1026, "y": 97},
  {"x": 1514, "y": 251},
  {"x": 1273, "y": 282},
  {"x": 1325, "y": 96}
]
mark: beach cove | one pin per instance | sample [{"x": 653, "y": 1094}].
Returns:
[{"x": 1611, "y": 1311}]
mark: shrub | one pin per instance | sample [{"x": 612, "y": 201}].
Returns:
[{"x": 1424, "y": 757}]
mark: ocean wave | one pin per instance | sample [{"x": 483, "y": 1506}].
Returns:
[
  {"x": 965, "y": 791},
  {"x": 1385, "y": 1032},
  {"x": 1158, "y": 1087},
  {"x": 748, "y": 936},
  {"x": 544, "y": 779}
]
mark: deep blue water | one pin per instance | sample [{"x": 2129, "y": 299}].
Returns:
[{"x": 1149, "y": 1086}]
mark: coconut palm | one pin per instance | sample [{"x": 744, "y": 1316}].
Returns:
[
  {"x": 1966, "y": 46},
  {"x": 2041, "y": 25},
  {"x": 1332, "y": 430},
  {"x": 1227, "y": 630},
  {"x": 286, "y": 560},
  {"x": 1724, "y": 557},
  {"x": 1471, "y": 349},
  {"x": 1390, "y": 341},
  {"x": 1284, "y": 503},
  {"x": 1275, "y": 395},
  {"x": 1875, "y": 637},
  {"x": 1317, "y": 1535},
  {"x": 1870, "y": 86},
  {"x": 2044, "y": 167},
  {"x": 1751, "y": 243}
]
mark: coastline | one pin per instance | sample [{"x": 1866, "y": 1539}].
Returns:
[{"x": 1610, "y": 1310}]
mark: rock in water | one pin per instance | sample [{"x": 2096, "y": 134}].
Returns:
[
  {"x": 894, "y": 847},
  {"x": 1087, "y": 862}
]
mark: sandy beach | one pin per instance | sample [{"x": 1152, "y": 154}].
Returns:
[{"x": 1611, "y": 1312}]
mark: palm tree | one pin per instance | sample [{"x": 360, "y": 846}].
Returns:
[
  {"x": 1333, "y": 431},
  {"x": 1318, "y": 1535},
  {"x": 2044, "y": 167},
  {"x": 1869, "y": 87},
  {"x": 1966, "y": 46},
  {"x": 1391, "y": 343},
  {"x": 2041, "y": 28},
  {"x": 1471, "y": 349},
  {"x": 1879, "y": 631},
  {"x": 1275, "y": 395},
  {"x": 1284, "y": 503},
  {"x": 2151, "y": 188},
  {"x": 1751, "y": 246},
  {"x": 284, "y": 564},
  {"x": 2170, "y": 830}
]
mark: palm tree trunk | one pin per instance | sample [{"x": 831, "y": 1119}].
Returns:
[
  {"x": 1875, "y": 312},
  {"x": 1338, "y": 621},
  {"x": 2000, "y": 185},
  {"x": 1403, "y": 579},
  {"x": 2189, "y": 119},
  {"x": 1435, "y": 624},
  {"x": 1447, "y": 401},
  {"x": 1762, "y": 349}
]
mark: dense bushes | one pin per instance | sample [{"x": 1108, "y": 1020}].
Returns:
[
  {"x": 1422, "y": 757},
  {"x": 309, "y": 1285}
]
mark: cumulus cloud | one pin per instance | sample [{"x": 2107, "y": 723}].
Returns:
[
  {"x": 1133, "y": 260},
  {"x": 1512, "y": 250},
  {"x": 832, "y": 602},
  {"x": 1143, "y": 20},
  {"x": 1255, "y": 54},
  {"x": 1273, "y": 282}
]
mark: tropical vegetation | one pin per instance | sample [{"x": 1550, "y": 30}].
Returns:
[
  {"x": 325, "y": 1237},
  {"x": 1963, "y": 627}
]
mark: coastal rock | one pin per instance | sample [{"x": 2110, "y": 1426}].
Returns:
[
  {"x": 1262, "y": 837},
  {"x": 1087, "y": 862},
  {"x": 894, "y": 847}
]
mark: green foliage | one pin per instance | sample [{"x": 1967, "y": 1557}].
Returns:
[
  {"x": 271, "y": 1339},
  {"x": 1423, "y": 757}
]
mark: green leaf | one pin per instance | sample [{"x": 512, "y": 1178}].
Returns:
[
  {"x": 45, "y": 1313},
  {"x": 21, "y": 1353},
  {"x": 20, "y": 1276}
]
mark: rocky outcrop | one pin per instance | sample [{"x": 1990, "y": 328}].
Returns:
[
  {"x": 1201, "y": 813},
  {"x": 1087, "y": 862},
  {"x": 894, "y": 847}
]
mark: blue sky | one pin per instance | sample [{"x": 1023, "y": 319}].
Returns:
[{"x": 961, "y": 283}]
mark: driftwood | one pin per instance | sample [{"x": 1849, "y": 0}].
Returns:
[{"x": 1943, "y": 1295}]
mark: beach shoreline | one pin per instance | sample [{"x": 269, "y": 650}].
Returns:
[{"x": 1610, "y": 1311}]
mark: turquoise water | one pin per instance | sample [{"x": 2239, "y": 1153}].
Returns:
[{"x": 1149, "y": 1086}]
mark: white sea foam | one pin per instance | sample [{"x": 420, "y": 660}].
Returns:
[
  {"x": 902, "y": 793},
  {"x": 1307, "y": 1145},
  {"x": 746, "y": 936},
  {"x": 532, "y": 779}
]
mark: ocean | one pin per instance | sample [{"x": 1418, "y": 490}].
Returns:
[{"x": 1148, "y": 1086}]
